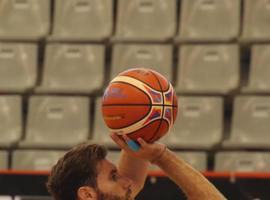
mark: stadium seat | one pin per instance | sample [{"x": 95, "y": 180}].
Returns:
[
  {"x": 114, "y": 156},
  {"x": 241, "y": 161},
  {"x": 35, "y": 159},
  {"x": 5, "y": 197},
  {"x": 24, "y": 19},
  {"x": 256, "y": 21},
  {"x": 33, "y": 198},
  {"x": 10, "y": 120},
  {"x": 73, "y": 68},
  {"x": 209, "y": 20},
  {"x": 82, "y": 19},
  {"x": 199, "y": 123},
  {"x": 259, "y": 70},
  {"x": 101, "y": 131},
  {"x": 198, "y": 160},
  {"x": 18, "y": 69},
  {"x": 3, "y": 160},
  {"x": 157, "y": 57},
  {"x": 250, "y": 122},
  {"x": 55, "y": 121},
  {"x": 210, "y": 68},
  {"x": 146, "y": 20}
]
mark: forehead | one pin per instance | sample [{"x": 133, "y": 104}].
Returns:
[{"x": 105, "y": 167}]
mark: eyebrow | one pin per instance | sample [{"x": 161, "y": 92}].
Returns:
[{"x": 114, "y": 170}]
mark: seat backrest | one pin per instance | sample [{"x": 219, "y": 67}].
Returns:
[
  {"x": 137, "y": 20},
  {"x": 58, "y": 120},
  {"x": 83, "y": 19},
  {"x": 27, "y": 19},
  {"x": 18, "y": 66}
]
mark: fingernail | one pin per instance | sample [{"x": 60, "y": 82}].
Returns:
[{"x": 133, "y": 145}]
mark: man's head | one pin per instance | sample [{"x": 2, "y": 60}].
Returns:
[{"x": 83, "y": 173}]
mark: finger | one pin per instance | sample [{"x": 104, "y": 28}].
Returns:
[
  {"x": 132, "y": 144},
  {"x": 117, "y": 139},
  {"x": 142, "y": 142}
]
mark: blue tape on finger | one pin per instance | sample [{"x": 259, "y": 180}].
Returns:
[{"x": 133, "y": 145}]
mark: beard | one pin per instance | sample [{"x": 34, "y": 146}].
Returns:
[{"x": 109, "y": 196}]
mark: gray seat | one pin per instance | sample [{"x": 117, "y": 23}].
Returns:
[
  {"x": 2, "y": 197},
  {"x": 241, "y": 161},
  {"x": 100, "y": 130},
  {"x": 18, "y": 66},
  {"x": 3, "y": 160},
  {"x": 259, "y": 70},
  {"x": 199, "y": 123},
  {"x": 73, "y": 68},
  {"x": 33, "y": 198},
  {"x": 250, "y": 123},
  {"x": 10, "y": 120},
  {"x": 114, "y": 156},
  {"x": 55, "y": 121},
  {"x": 157, "y": 57},
  {"x": 35, "y": 159},
  {"x": 210, "y": 68},
  {"x": 197, "y": 159},
  {"x": 209, "y": 20},
  {"x": 256, "y": 21},
  {"x": 24, "y": 19},
  {"x": 146, "y": 20},
  {"x": 82, "y": 19}
]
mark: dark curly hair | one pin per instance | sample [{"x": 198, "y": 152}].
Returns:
[{"x": 78, "y": 167}]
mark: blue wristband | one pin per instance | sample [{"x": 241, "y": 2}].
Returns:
[{"x": 133, "y": 145}]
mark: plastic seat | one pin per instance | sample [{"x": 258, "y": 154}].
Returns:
[
  {"x": 101, "y": 131},
  {"x": 55, "y": 121},
  {"x": 197, "y": 159},
  {"x": 256, "y": 20},
  {"x": 250, "y": 123},
  {"x": 259, "y": 70},
  {"x": 199, "y": 123},
  {"x": 209, "y": 20},
  {"x": 35, "y": 159},
  {"x": 32, "y": 198},
  {"x": 10, "y": 120},
  {"x": 82, "y": 19},
  {"x": 24, "y": 19},
  {"x": 73, "y": 68},
  {"x": 3, "y": 160},
  {"x": 146, "y": 20},
  {"x": 208, "y": 68},
  {"x": 18, "y": 66},
  {"x": 114, "y": 156},
  {"x": 157, "y": 57},
  {"x": 2, "y": 197},
  {"x": 241, "y": 161}
]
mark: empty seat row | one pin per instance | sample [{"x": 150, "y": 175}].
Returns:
[
  {"x": 62, "y": 121},
  {"x": 236, "y": 161},
  {"x": 72, "y": 68},
  {"x": 20, "y": 197},
  {"x": 199, "y": 20},
  {"x": 52, "y": 121}
]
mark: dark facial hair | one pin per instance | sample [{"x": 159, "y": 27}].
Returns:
[{"x": 110, "y": 196}]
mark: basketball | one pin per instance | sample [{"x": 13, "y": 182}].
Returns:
[{"x": 140, "y": 103}]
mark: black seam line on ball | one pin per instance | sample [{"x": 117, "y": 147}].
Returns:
[
  {"x": 154, "y": 135},
  {"x": 139, "y": 104}
]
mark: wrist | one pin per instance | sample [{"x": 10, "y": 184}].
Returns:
[{"x": 159, "y": 155}]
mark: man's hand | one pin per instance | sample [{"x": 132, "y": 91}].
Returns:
[{"x": 149, "y": 152}]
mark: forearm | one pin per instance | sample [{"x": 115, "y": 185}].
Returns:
[
  {"x": 134, "y": 168},
  {"x": 193, "y": 183}
]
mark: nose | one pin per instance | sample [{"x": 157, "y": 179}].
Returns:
[{"x": 126, "y": 182}]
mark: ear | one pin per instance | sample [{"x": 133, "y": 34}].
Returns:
[{"x": 86, "y": 193}]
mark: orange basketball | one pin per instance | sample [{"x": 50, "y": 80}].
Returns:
[{"x": 140, "y": 103}]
